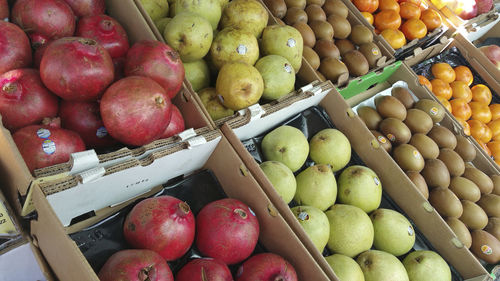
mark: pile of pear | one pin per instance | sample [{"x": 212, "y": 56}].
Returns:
[
  {"x": 337, "y": 205},
  {"x": 438, "y": 162},
  {"x": 230, "y": 56}
]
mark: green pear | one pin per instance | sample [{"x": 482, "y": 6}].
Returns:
[
  {"x": 381, "y": 266},
  {"x": 212, "y": 104},
  {"x": 156, "y": 9},
  {"x": 287, "y": 145},
  {"x": 223, "y": 3},
  {"x": 315, "y": 224},
  {"x": 208, "y": 9},
  {"x": 161, "y": 24},
  {"x": 249, "y": 15},
  {"x": 171, "y": 11},
  {"x": 234, "y": 45},
  {"x": 278, "y": 75},
  {"x": 361, "y": 187},
  {"x": 198, "y": 74},
  {"x": 394, "y": 234},
  {"x": 239, "y": 84},
  {"x": 285, "y": 41},
  {"x": 351, "y": 230},
  {"x": 190, "y": 35},
  {"x": 345, "y": 268},
  {"x": 281, "y": 178},
  {"x": 424, "y": 265},
  {"x": 330, "y": 146},
  {"x": 171, "y": 2},
  {"x": 317, "y": 187}
]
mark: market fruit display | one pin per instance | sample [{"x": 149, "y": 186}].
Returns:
[
  {"x": 15, "y": 50},
  {"x": 208, "y": 268},
  {"x": 266, "y": 266},
  {"x": 466, "y": 10}
]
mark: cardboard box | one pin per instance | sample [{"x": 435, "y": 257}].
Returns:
[{"x": 218, "y": 156}]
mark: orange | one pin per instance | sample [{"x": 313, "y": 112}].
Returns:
[
  {"x": 424, "y": 81},
  {"x": 461, "y": 90},
  {"x": 443, "y": 71},
  {"x": 409, "y": 11},
  {"x": 387, "y": 19},
  {"x": 495, "y": 111},
  {"x": 368, "y": 17},
  {"x": 494, "y": 147},
  {"x": 445, "y": 103},
  {"x": 388, "y": 5},
  {"x": 414, "y": 29},
  {"x": 394, "y": 37},
  {"x": 431, "y": 19},
  {"x": 494, "y": 126},
  {"x": 441, "y": 89},
  {"x": 463, "y": 73},
  {"x": 369, "y": 6},
  {"x": 479, "y": 131},
  {"x": 465, "y": 125},
  {"x": 481, "y": 93},
  {"x": 488, "y": 135},
  {"x": 416, "y": 2},
  {"x": 460, "y": 109},
  {"x": 484, "y": 147},
  {"x": 480, "y": 111}
]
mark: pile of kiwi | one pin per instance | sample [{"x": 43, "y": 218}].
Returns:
[
  {"x": 332, "y": 47},
  {"x": 438, "y": 163}
]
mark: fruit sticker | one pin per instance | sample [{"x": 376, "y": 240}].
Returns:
[
  {"x": 49, "y": 147},
  {"x": 375, "y": 51},
  {"x": 288, "y": 68},
  {"x": 416, "y": 154},
  {"x": 303, "y": 216},
  {"x": 101, "y": 132},
  {"x": 486, "y": 250},
  {"x": 291, "y": 43},
  {"x": 376, "y": 180},
  {"x": 43, "y": 133},
  {"x": 241, "y": 49},
  {"x": 410, "y": 230},
  {"x": 391, "y": 137},
  {"x": 381, "y": 139},
  {"x": 434, "y": 110}
]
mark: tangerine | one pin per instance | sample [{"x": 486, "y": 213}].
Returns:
[
  {"x": 368, "y": 17},
  {"x": 460, "y": 109},
  {"x": 424, "y": 81},
  {"x": 446, "y": 104},
  {"x": 479, "y": 131},
  {"x": 414, "y": 29},
  {"x": 461, "y": 90},
  {"x": 481, "y": 93},
  {"x": 465, "y": 126},
  {"x": 394, "y": 37},
  {"x": 416, "y": 2},
  {"x": 443, "y": 71},
  {"x": 463, "y": 73},
  {"x": 441, "y": 89},
  {"x": 369, "y": 6},
  {"x": 387, "y": 19},
  {"x": 480, "y": 111},
  {"x": 484, "y": 147},
  {"x": 409, "y": 10},
  {"x": 495, "y": 111},
  {"x": 431, "y": 19},
  {"x": 388, "y": 5},
  {"x": 494, "y": 126}
]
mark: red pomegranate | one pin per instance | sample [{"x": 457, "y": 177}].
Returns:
[
  {"x": 106, "y": 31},
  {"x": 228, "y": 230},
  {"x": 4, "y": 10},
  {"x": 205, "y": 269},
  {"x": 158, "y": 61},
  {"x": 51, "y": 18},
  {"x": 77, "y": 69},
  {"x": 119, "y": 64},
  {"x": 136, "y": 110},
  {"x": 15, "y": 50},
  {"x": 43, "y": 146},
  {"x": 83, "y": 8},
  {"x": 266, "y": 267},
  {"x": 176, "y": 124},
  {"x": 135, "y": 265},
  {"x": 24, "y": 100},
  {"x": 38, "y": 55},
  {"x": 84, "y": 118},
  {"x": 163, "y": 224}
]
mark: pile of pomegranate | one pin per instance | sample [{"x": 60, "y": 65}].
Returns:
[
  {"x": 67, "y": 59},
  {"x": 163, "y": 229}
]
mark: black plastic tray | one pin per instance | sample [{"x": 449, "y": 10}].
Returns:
[{"x": 423, "y": 43}]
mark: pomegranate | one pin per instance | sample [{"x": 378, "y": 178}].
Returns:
[
  {"x": 176, "y": 124},
  {"x": 266, "y": 267},
  {"x": 83, "y": 8},
  {"x": 135, "y": 265},
  {"x": 106, "y": 31},
  {"x": 43, "y": 146},
  {"x": 76, "y": 68},
  {"x": 484, "y": 6},
  {"x": 163, "y": 224},
  {"x": 228, "y": 230},
  {"x": 51, "y": 18},
  {"x": 38, "y": 54},
  {"x": 205, "y": 269},
  {"x": 136, "y": 110},
  {"x": 83, "y": 117},
  {"x": 4, "y": 10},
  {"x": 492, "y": 52},
  {"x": 15, "y": 50},
  {"x": 119, "y": 64},
  {"x": 24, "y": 100},
  {"x": 469, "y": 10},
  {"x": 158, "y": 61}
]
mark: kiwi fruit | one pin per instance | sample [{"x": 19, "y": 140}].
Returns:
[
  {"x": 490, "y": 203},
  {"x": 465, "y": 189},
  {"x": 445, "y": 202},
  {"x": 425, "y": 145},
  {"x": 294, "y": 15},
  {"x": 326, "y": 49},
  {"x": 389, "y": 106},
  {"x": 344, "y": 46},
  {"x": 322, "y": 77},
  {"x": 408, "y": 158},
  {"x": 316, "y": 2},
  {"x": 403, "y": 95},
  {"x": 332, "y": 68},
  {"x": 443, "y": 137},
  {"x": 466, "y": 150},
  {"x": 356, "y": 63},
  {"x": 419, "y": 182},
  {"x": 360, "y": 35},
  {"x": 493, "y": 227},
  {"x": 453, "y": 161},
  {"x": 322, "y": 29},
  {"x": 307, "y": 33},
  {"x": 473, "y": 216},
  {"x": 434, "y": 109},
  {"x": 371, "y": 52},
  {"x": 460, "y": 230},
  {"x": 496, "y": 184},
  {"x": 311, "y": 57},
  {"x": 383, "y": 141},
  {"x": 301, "y": 4},
  {"x": 395, "y": 131},
  {"x": 418, "y": 121},
  {"x": 482, "y": 181},
  {"x": 370, "y": 117},
  {"x": 335, "y": 7},
  {"x": 276, "y": 7},
  {"x": 436, "y": 174},
  {"x": 341, "y": 26},
  {"x": 485, "y": 246},
  {"x": 315, "y": 12}
]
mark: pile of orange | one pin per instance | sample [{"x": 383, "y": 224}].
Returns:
[
  {"x": 470, "y": 105},
  {"x": 399, "y": 20}
]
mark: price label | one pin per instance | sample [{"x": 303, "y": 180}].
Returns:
[{"x": 7, "y": 227}]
